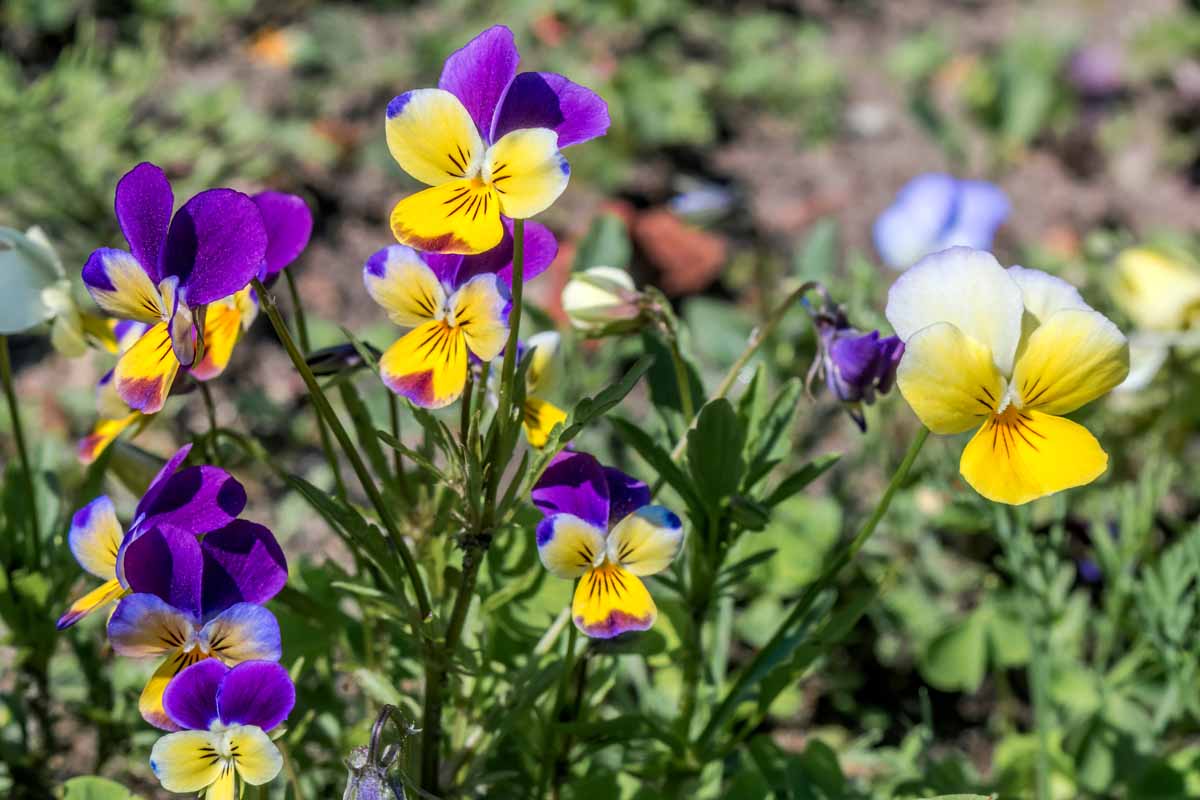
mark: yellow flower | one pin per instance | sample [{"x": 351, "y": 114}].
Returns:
[
  {"x": 1008, "y": 352},
  {"x": 1158, "y": 293},
  {"x": 540, "y": 415}
]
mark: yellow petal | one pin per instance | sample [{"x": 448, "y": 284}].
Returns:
[
  {"x": 611, "y": 600},
  {"x": 104, "y": 434},
  {"x": 461, "y": 217},
  {"x": 145, "y": 372},
  {"x": 97, "y": 598},
  {"x": 1071, "y": 359},
  {"x": 527, "y": 171},
  {"x": 428, "y": 365},
  {"x": 539, "y": 419},
  {"x": 545, "y": 362},
  {"x": 1020, "y": 456},
  {"x": 480, "y": 310},
  {"x": 569, "y": 546},
  {"x": 967, "y": 288},
  {"x": 432, "y": 136},
  {"x": 225, "y": 786},
  {"x": 257, "y": 758},
  {"x": 949, "y": 379},
  {"x": 132, "y": 294},
  {"x": 399, "y": 280},
  {"x": 1159, "y": 293},
  {"x": 222, "y": 328},
  {"x": 187, "y": 761}
]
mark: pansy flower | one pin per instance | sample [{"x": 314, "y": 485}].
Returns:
[
  {"x": 935, "y": 211},
  {"x": 1160, "y": 292},
  {"x": 601, "y": 529},
  {"x": 210, "y": 249},
  {"x": 198, "y": 499},
  {"x": 457, "y": 308},
  {"x": 1006, "y": 352},
  {"x": 193, "y": 599},
  {"x": 857, "y": 366},
  {"x": 487, "y": 142},
  {"x": 540, "y": 415},
  {"x": 288, "y": 224},
  {"x": 223, "y": 716}
]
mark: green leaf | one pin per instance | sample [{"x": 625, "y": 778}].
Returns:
[
  {"x": 799, "y": 480},
  {"x": 91, "y": 787},
  {"x": 646, "y": 643},
  {"x": 364, "y": 430},
  {"x": 592, "y": 408},
  {"x": 606, "y": 244},
  {"x": 956, "y": 659},
  {"x": 771, "y": 428},
  {"x": 714, "y": 452},
  {"x": 664, "y": 387}
]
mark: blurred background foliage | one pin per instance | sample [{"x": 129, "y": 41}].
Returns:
[{"x": 753, "y": 143}]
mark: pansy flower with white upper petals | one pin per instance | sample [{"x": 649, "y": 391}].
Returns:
[
  {"x": 193, "y": 599},
  {"x": 208, "y": 250},
  {"x": 487, "y": 141},
  {"x": 601, "y": 529},
  {"x": 456, "y": 307},
  {"x": 1007, "y": 352},
  {"x": 223, "y": 716},
  {"x": 198, "y": 499}
]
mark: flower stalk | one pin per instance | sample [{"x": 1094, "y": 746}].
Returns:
[{"x": 10, "y": 394}]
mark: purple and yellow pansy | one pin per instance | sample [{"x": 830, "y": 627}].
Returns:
[
  {"x": 209, "y": 249},
  {"x": 198, "y": 499},
  {"x": 192, "y": 599},
  {"x": 487, "y": 142},
  {"x": 600, "y": 528},
  {"x": 222, "y": 717}
]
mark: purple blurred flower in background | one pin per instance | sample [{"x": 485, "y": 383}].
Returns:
[
  {"x": 935, "y": 211},
  {"x": 223, "y": 716},
  {"x": 857, "y": 366}
]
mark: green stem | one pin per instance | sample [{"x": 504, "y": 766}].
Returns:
[
  {"x": 398, "y": 458},
  {"x": 306, "y": 345},
  {"x": 734, "y": 696},
  {"x": 437, "y": 667},
  {"x": 681, "y": 380},
  {"x": 10, "y": 394},
  {"x": 210, "y": 408},
  {"x": 550, "y": 757},
  {"x": 323, "y": 407},
  {"x": 760, "y": 335}
]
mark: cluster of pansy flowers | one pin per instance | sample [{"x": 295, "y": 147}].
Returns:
[
  {"x": 201, "y": 259},
  {"x": 185, "y": 585}
]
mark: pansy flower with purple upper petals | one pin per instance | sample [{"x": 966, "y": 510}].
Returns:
[
  {"x": 208, "y": 250},
  {"x": 223, "y": 716},
  {"x": 196, "y": 499},
  {"x": 487, "y": 141},
  {"x": 933, "y": 212},
  {"x": 193, "y": 599},
  {"x": 456, "y": 309},
  {"x": 288, "y": 223},
  {"x": 601, "y": 529}
]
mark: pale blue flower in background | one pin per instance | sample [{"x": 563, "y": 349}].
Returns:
[{"x": 933, "y": 212}]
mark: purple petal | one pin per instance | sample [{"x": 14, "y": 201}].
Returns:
[
  {"x": 190, "y": 699},
  {"x": 480, "y": 72},
  {"x": 156, "y": 485},
  {"x": 891, "y": 350},
  {"x": 980, "y": 210},
  {"x": 548, "y": 100},
  {"x": 911, "y": 227},
  {"x": 256, "y": 693},
  {"x": 215, "y": 245},
  {"x": 242, "y": 564},
  {"x": 626, "y": 494},
  {"x": 540, "y": 249},
  {"x": 143, "y": 205},
  {"x": 195, "y": 499},
  {"x": 288, "y": 223},
  {"x": 574, "y": 483},
  {"x": 167, "y": 563},
  {"x": 855, "y": 361},
  {"x": 444, "y": 265}
]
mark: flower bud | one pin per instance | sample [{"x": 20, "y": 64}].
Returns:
[
  {"x": 602, "y": 301},
  {"x": 857, "y": 366}
]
